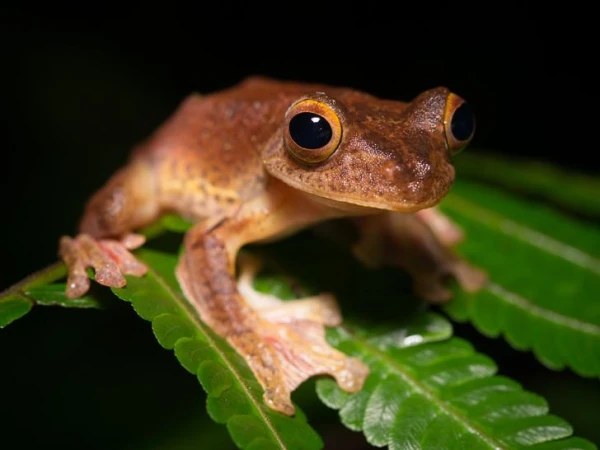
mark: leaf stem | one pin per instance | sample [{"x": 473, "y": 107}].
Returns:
[
  {"x": 58, "y": 270},
  {"x": 47, "y": 275}
]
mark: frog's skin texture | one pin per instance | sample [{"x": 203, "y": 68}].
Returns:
[{"x": 238, "y": 164}]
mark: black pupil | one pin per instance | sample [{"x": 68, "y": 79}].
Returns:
[
  {"x": 462, "y": 122},
  {"x": 309, "y": 130}
]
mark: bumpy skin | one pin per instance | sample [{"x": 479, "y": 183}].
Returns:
[{"x": 221, "y": 160}]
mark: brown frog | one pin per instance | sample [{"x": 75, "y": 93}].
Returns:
[{"x": 260, "y": 161}]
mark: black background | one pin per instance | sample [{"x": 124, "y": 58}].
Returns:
[{"x": 80, "y": 92}]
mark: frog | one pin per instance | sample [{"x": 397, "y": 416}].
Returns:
[{"x": 260, "y": 161}]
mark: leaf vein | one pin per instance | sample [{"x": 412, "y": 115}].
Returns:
[
  {"x": 532, "y": 237},
  {"x": 552, "y": 316},
  {"x": 424, "y": 391}
]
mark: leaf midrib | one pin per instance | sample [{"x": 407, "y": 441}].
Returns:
[
  {"x": 425, "y": 391},
  {"x": 200, "y": 325},
  {"x": 541, "y": 241},
  {"x": 543, "y": 313}
]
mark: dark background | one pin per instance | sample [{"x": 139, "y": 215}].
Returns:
[{"x": 80, "y": 92}]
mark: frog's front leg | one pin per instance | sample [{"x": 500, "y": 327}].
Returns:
[
  {"x": 282, "y": 347},
  {"x": 444, "y": 229},
  {"x": 110, "y": 259},
  {"x": 419, "y": 244},
  {"x": 126, "y": 202}
]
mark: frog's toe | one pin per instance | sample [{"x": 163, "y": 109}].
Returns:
[
  {"x": 432, "y": 288},
  {"x": 72, "y": 254},
  {"x": 77, "y": 285},
  {"x": 470, "y": 278},
  {"x": 279, "y": 401},
  {"x": 110, "y": 259},
  {"x": 119, "y": 253},
  {"x": 132, "y": 241}
]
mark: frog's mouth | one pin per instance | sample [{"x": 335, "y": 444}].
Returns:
[
  {"x": 371, "y": 197},
  {"x": 351, "y": 204}
]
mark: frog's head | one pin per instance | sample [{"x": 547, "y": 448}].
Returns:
[{"x": 351, "y": 149}]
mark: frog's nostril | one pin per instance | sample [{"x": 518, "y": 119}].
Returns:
[{"x": 389, "y": 169}]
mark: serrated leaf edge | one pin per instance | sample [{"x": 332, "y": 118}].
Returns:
[{"x": 200, "y": 326}]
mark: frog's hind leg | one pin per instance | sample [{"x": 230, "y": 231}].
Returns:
[
  {"x": 322, "y": 309},
  {"x": 420, "y": 244},
  {"x": 282, "y": 342}
]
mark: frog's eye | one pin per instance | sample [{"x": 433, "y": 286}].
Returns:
[
  {"x": 459, "y": 123},
  {"x": 312, "y": 131}
]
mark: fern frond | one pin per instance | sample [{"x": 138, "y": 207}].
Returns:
[
  {"x": 441, "y": 395},
  {"x": 545, "y": 276},
  {"x": 234, "y": 396}
]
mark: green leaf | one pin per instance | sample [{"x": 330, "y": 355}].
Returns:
[
  {"x": 426, "y": 389},
  {"x": 234, "y": 396},
  {"x": 440, "y": 395},
  {"x": 168, "y": 222},
  {"x": 544, "y": 270},
  {"x": 13, "y": 307},
  {"x": 574, "y": 192},
  {"x": 54, "y": 294},
  {"x": 37, "y": 289}
]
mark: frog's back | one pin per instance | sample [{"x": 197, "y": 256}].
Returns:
[{"x": 207, "y": 155}]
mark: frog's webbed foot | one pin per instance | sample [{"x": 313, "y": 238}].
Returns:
[
  {"x": 295, "y": 332},
  {"x": 301, "y": 351},
  {"x": 110, "y": 259}
]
